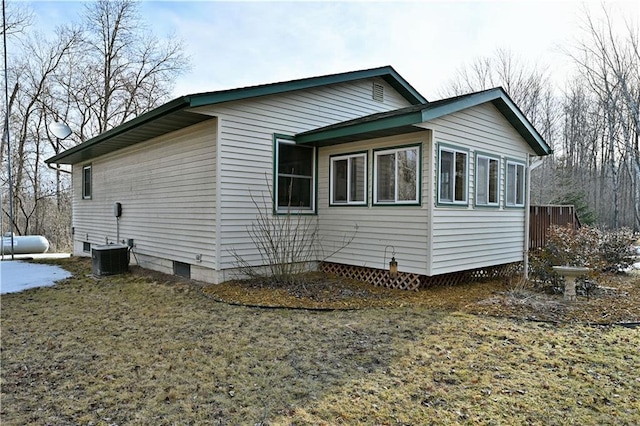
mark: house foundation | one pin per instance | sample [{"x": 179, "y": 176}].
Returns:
[{"x": 410, "y": 281}]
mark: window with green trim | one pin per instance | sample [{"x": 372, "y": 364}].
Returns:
[
  {"x": 515, "y": 184},
  {"x": 295, "y": 184},
  {"x": 396, "y": 177},
  {"x": 487, "y": 180},
  {"x": 86, "y": 182},
  {"x": 348, "y": 179},
  {"x": 453, "y": 172}
]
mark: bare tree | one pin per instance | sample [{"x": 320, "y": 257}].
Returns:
[
  {"x": 530, "y": 88},
  {"x": 32, "y": 79},
  {"x": 94, "y": 77},
  {"x": 528, "y": 85},
  {"x": 610, "y": 64},
  {"x": 18, "y": 18},
  {"x": 593, "y": 124},
  {"x": 124, "y": 70}
]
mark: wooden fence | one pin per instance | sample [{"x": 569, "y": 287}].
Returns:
[{"x": 542, "y": 217}]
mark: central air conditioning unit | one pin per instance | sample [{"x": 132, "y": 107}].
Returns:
[{"x": 111, "y": 259}]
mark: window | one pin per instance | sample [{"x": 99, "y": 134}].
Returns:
[
  {"x": 86, "y": 182},
  {"x": 348, "y": 176},
  {"x": 453, "y": 169},
  {"x": 397, "y": 176},
  {"x": 487, "y": 178},
  {"x": 295, "y": 187},
  {"x": 515, "y": 184}
]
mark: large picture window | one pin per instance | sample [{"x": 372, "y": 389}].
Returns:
[
  {"x": 397, "y": 173},
  {"x": 86, "y": 182},
  {"x": 295, "y": 186},
  {"x": 515, "y": 184},
  {"x": 487, "y": 178},
  {"x": 453, "y": 172},
  {"x": 348, "y": 177}
]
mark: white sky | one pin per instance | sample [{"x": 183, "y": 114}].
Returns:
[{"x": 239, "y": 43}]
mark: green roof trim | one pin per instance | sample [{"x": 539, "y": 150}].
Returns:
[
  {"x": 404, "y": 120},
  {"x": 83, "y": 150},
  {"x": 387, "y": 73},
  {"x": 173, "y": 115},
  {"x": 359, "y": 128}
]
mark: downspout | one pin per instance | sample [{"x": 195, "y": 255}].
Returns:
[
  {"x": 531, "y": 165},
  {"x": 218, "y": 215},
  {"x": 432, "y": 198}
]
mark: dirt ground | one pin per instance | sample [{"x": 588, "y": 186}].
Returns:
[
  {"x": 146, "y": 348},
  {"x": 617, "y": 299}
]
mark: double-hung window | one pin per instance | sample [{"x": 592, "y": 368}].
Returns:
[
  {"x": 515, "y": 184},
  {"x": 487, "y": 178},
  {"x": 397, "y": 176},
  {"x": 86, "y": 182},
  {"x": 453, "y": 173},
  {"x": 295, "y": 181},
  {"x": 348, "y": 179}
]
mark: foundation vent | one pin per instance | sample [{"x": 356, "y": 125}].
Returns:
[
  {"x": 378, "y": 92},
  {"x": 181, "y": 269}
]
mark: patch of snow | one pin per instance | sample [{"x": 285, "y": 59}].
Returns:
[
  {"x": 633, "y": 269},
  {"x": 16, "y": 276}
]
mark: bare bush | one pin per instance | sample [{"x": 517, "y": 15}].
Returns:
[{"x": 288, "y": 243}]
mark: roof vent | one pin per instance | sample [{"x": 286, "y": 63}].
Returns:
[{"x": 378, "y": 92}]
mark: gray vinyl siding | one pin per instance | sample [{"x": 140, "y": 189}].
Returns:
[
  {"x": 405, "y": 228},
  {"x": 246, "y": 136},
  {"x": 473, "y": 237},
  {"x": 168, "y": 194}
]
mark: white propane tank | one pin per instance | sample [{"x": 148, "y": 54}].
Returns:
[{"x": 27, "y": 244}]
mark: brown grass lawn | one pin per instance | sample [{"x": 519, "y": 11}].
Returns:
[{"x": 144, "y": 349}]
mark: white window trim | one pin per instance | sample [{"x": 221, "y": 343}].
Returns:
[
  {"x": 297, "y": 210},
  {"x": 349, "y": 202},
  {"x": 494, "y": 158},
  {"x": 376, "y": 154},
  {"x": 506, "y": 185},
  {"x": 454, "y": 151},
  {"x": 84, "y": 194}
]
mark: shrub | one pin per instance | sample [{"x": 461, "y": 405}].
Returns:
[
  {"x": 601, "y": 251},
  {"x": 617, "y": 249},
  {"x": 542, "y": 273}
]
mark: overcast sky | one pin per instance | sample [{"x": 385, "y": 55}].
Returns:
[{"x": 239, "y": 43}]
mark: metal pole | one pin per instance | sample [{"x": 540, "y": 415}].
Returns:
[{"x": 6, "y": 124}]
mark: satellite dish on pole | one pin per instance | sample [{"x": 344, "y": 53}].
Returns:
[{"x": 59, "y": 130}]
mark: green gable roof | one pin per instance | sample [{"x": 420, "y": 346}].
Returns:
[
  {"x": 174, "y": 115},
  {"x": 403, "y": 121}
]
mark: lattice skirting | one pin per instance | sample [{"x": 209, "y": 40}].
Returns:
[{"x": 409, "y": 281}]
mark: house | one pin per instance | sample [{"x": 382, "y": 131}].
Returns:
[{"x": 442, "y": 186}]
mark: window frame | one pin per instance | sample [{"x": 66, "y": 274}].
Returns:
[
  {"x": 85, "y": 195},
  {"x": 277, "y": 140},
  {"x": 489, "y": 157},
  {"x": 453, "y": 150},
  {"x": 339, "y": 157},
  {"x": 384, "y": 151},
  {"x": 517, "y": 164}
]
